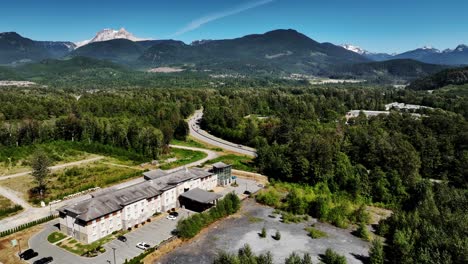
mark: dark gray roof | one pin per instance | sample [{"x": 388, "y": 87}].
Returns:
[
  {"x": 110, "y": 200},
  {"x": 200, "y": 195},
  {"x": 154, "y": 174},
  {"x": 220, "y": 165}
]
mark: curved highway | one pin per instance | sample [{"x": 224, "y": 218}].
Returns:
[{"x": 202, "y": 135}]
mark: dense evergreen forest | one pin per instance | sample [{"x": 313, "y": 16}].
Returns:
[{"x": 415, "y": 165}]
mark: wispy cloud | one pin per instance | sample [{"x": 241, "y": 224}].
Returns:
[{"x": 215, "y": 16}]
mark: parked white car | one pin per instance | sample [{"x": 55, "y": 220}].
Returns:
[
  {"x": 143, "y": 245},
  {"x": 171, "y": 217}
]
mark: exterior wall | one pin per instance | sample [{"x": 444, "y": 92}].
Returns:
[
  {"x": 224, "y": 175},
  {"x": 132, "y": 214},
  {"x": 103, "y": 226},
  {"x": 137, "y": 212},
  {"x": 169, "y": 199}
]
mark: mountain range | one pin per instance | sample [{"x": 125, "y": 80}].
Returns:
[
  {"x": 427, "y": 54},
  {"x": 282, "y": 51}
]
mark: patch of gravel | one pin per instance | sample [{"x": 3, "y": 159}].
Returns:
[{"x": 232, "y": 233}]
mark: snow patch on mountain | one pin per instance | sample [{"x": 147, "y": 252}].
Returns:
[
  {"x": 109, "y": 34},
  {"x": 355, "y": 49}
]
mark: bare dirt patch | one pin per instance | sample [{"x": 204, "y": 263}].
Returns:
[
  {"x": 166, "y": 70},
  {"x": 9, "y": 254}
]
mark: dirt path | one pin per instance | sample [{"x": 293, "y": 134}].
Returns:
[
  {"x": 14, "y": 197},
  {"x": 56, "y": 167},
  {"x": 32, "y": 213}
]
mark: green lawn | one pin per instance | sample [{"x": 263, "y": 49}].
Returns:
[
  {"x": 183, "y": 157},
  {"x": 238, "y": 162},
  {"x": 56, "y": 236}
]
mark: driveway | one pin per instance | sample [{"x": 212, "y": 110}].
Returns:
[
  {"x": 202, "y": 135},
  {"x": 152, "y": 233}
]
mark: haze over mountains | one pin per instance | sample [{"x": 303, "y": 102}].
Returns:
[{"x": 275, "y": 52}]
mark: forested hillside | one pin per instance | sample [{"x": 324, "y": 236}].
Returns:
[
  {"x": 391, "y": 161},
  {"x": 415, "y": 165},
  {"x": 456, "y": 76}
]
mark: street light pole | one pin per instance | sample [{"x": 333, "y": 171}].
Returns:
[
  {"x": 19, "y": 245},
  {"x": 114, "y": 255}
]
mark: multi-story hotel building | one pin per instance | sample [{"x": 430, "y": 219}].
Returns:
[{"x": 116, "y": 209}]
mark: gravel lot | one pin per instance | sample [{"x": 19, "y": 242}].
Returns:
[{"x": 233, "y": 233}]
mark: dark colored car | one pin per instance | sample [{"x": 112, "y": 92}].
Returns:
[
  {"x": 44, "y": 260},
  {"x": 122, "y": 238},
  {"x": 28, "y": 254},
  {"x": 174, "y": 214}
]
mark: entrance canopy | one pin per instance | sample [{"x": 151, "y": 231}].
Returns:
[{"x": 200, "y": 196}]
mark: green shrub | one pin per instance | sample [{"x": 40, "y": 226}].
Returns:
[
  {"x": 269, "y": 197},
  {"x": 263, "y": 234},
  {"x": 9, "y": 210},
  {"x": 192, "y": 225},
  {"x": 315, "y": 233},
  {"x": 277, "y": 235},
  {"x": 363, "y": 232},
  {"x": 331, "y": 257},
  {"x": 376, "y": 252}
]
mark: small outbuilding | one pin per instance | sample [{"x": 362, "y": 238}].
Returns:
[{"x": 198, "y": 200}]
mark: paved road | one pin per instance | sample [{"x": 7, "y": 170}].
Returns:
[
  {"x": 202, "y": 135},
  {"x": 56, "y": 167},
  {"x": 152, "y": 233}
]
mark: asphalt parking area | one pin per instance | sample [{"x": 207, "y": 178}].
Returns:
[{"x": 152, "y": 233}]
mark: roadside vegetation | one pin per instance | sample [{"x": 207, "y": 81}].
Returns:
[
  {"x": 7, "y": 208},
  {"x": 238, "y": 162},
  {"x": 297, "y": 201},
  {"x": 246, "y": 255},
  {"x": 192, "y": 225}
]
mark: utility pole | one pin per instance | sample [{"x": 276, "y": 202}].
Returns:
[
  {"x": 114, "y": 255},
  {"x": 19, "y": 245}
]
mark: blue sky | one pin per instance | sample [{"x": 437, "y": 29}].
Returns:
[{"x": 376, "y": 25}]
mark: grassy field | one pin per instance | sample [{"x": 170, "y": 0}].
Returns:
[
  {"x": 8, "y": 208},
  {"x": 182, "y": 156},
  {"x": 190, "y": 142},
  {"x": 102, "y": 173},
  {"x": 72, "y": 180},
  {"x": 4, "y": 202},
  {"x": 238, "y": 162},
  {"x": 16, "y": 159}
]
